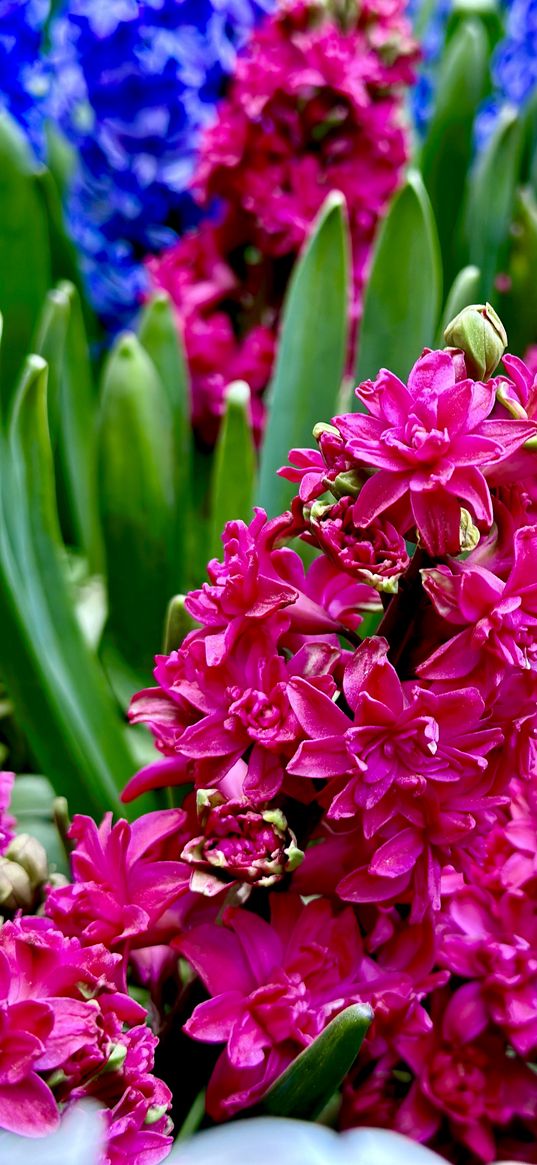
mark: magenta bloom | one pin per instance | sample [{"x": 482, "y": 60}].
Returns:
[
  {"x": 463, "y": 1073},
  {"x": 499, "y": 619},
  {"x": 274, "y": 987},
  {"x": 431, "y": 444},
  {"x": 124, "y": 880},
  {"x": 411, "y": 766},
  {"x": 376, "y": 555},
  {"x": 7, "y": 822},
  {"x": 238, "y": 844},
  {"x": 209, "y": 716},
  {"x": 68, "y": 1031}
]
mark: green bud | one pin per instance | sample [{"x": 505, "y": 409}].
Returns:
[
  {"x": 155, "y": 1113},
  {"x": 478, "y": 331},
  {"x": 16, "y": 891},
  {"x": 322, "y": 427},
  {"x": 469, "y": 533},
  {"x": 178, "y": 624},
  {"x": 116, "y": 1058},
  {"x": 28, "y": 853},
  {"x": 349, "y": 482}
]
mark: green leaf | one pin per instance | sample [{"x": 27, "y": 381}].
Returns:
[
  {"x": 234, "y": 465},
  {"x": 303, "y": 1090},
  {"x": 24, "y": 252},
  {"x": 77, "y": 439},
  {"x": 62, "y": 700},
  {"x": 49, "y": 342},
  {"x": 311, "y": 351},
  {"x": 488, "y": 12},
  {"x": 518, "y": 306},
  {"x": 138, "y": 501},
  {"x": 490, "y": 201},
  {"x": 61, "y": 340},
  {"x": 159, "y": 335},
  {"x": 402, "y": 298},
  {"x": 448, "y": 147},
  {"x": 463, "y": 291}
]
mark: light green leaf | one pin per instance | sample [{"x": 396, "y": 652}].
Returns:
[
  {"x": 308, "y": 1083},
  {"x": 138, "y": 501},
  {"x": 402, "y": 298},
  {"x": 448, "y": 147},
  {"x": 234, "y": 466},
  {"x": 311, "y": 351}
]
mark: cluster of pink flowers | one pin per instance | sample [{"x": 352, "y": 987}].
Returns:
[
  {"x": 354, "y": 748},
  {"x": 315, "y": 104},
  {"x": 69, "y": 1030}
]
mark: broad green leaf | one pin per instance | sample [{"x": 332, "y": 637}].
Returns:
[
  {"x": 463, "y": 291},
  {"x": 138, "y": 501},
  {"x": 159, "y": 335},
  {"x": 25, "y": 270},
  {"x": 448, "y": 147},
  {"x": 308, "y": 1083},
  {"x": 63, "y": 701},
  {"x": 234, "y": 466},
  {"x": 402, "y": 298},
  {"x": 490, "y": 201},
  {"x": 311, "y": 350}
]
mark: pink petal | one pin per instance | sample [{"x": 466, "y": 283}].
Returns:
[
  {"x": 398, "y": 855},
  {"x": 28, "y": 1108},
  {"x": 315, "y": 712},
  {"x": 379, "y": 492},
  {"x": 213, "y": 1019}
]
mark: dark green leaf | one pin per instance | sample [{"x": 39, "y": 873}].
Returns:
[
  {"x": 303, "y": 1090},
  {"x": 24, "y": 252},
  {"x": 62, "y": 700},
  {"x": 518, "y": 305},
  {"x": 448, "y": 147},
  {"x": 311, "y": 351},
  {"x": 402, "y": 298},
  {"x": 234, "y": 466},
  {"x": 490, "y": 201},
  {"x": 77, "y": 439},
  {"x": 159, "y": 335}
]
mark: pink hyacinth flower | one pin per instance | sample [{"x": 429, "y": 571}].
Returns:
[{"x": 430, "y": 443}]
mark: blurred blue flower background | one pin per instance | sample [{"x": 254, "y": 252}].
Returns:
[{"x": 136, "y": 84}]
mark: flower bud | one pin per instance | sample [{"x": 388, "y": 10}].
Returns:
[
  {"x": 16, "y": 891},
  {"x": 239, "y": 844},
  {"x": 478, "y": 331},
  {"x": 28, "y": 853}
]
